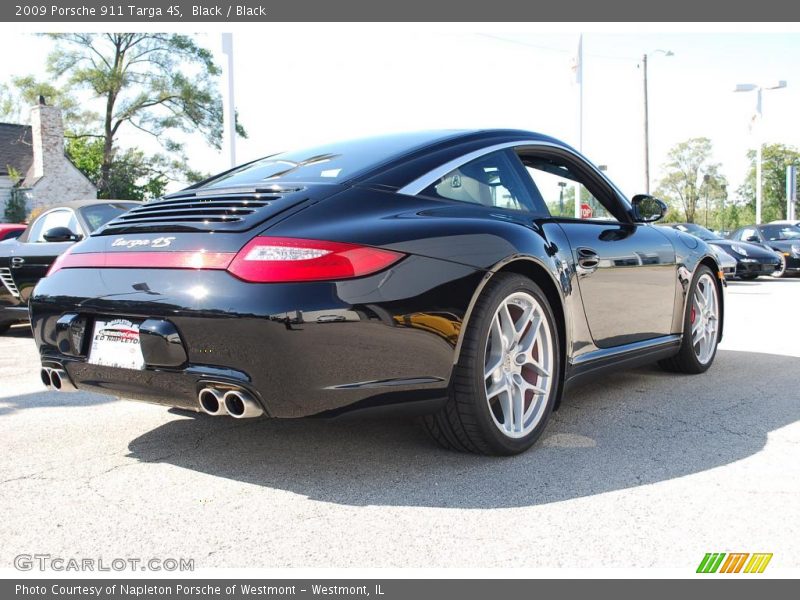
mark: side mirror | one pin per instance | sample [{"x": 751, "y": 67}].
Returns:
[
  {"x": 61, "y": 234},
  {"x": 754, "y": 239},
  {"x": 648, "y": 209}
]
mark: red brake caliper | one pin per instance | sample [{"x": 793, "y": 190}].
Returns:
[{"x": 693, "y": 315}]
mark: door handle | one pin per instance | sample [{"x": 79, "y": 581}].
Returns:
[
  {"x": 588, "y": 261},
  {"x": 17, "y": 262}
]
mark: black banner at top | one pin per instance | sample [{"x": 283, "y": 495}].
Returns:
[{"x": 242, "y": 11}]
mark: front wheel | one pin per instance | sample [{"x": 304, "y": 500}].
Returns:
[
  {"x": 700, "y": 326},
  {"x": 506, "y": 380},
  {"x": 781, "y": 270}
]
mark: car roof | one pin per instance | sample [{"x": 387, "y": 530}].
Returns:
[{"x": 393, "y": 150}]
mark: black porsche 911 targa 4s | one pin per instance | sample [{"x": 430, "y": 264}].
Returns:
[{"x": 430, "y": 272}]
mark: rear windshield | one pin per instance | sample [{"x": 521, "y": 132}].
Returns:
[
  {"x": 333, "y": 163},
  {"x": 96, "y": 215}
]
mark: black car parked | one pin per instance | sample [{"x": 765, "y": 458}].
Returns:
[
  {"x": 26, "y": 259},
  {"x": 752, "y": 260},
  {"x": 420, "y": 271},
  {"x": 783, "y": 238}
]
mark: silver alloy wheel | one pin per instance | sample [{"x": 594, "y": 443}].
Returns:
[
  {"x": 518, "y": 366},
  {"x": 781, "y": 269},
  {"x": 704, "y": 318}
]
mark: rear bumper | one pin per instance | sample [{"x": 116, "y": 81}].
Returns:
[{"x": 299, "y": 349}]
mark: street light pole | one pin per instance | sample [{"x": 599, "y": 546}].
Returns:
[
  {"x": 228, "y": 102},
  {"x": 646, "y": 131},
  {"x": 647, "y": 118},
  {"x": 579, "y": 81},
  {"x": 759, "y": 158},
  {"x": 757, "y": 122}
]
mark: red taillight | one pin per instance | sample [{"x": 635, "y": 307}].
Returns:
[
  {"x": 274, "y": 259},
  {"x": 262, "y": 260}
]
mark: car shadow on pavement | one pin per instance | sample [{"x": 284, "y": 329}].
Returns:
[
  {"x": 50, "y": 399},
  {"x": 22, "y": 331},
  {"x": 45, "y": 398},
  {"x": 627, "y": 429}
]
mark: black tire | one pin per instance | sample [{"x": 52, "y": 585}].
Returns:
[
  {"x": 686, "y": 360},
  {"x": 781, "y": 271},
  {"x": 466, "y": 423}
]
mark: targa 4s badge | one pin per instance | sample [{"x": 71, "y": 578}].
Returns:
[
  {"x": 159, "y": 242},
  {"x": 713, "y": 562}
]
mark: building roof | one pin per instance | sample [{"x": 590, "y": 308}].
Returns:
[{"x": 16, "y": 150}]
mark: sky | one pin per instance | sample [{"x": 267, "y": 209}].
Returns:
[{"x": 300, "y": 85}]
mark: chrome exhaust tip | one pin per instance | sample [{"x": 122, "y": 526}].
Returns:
[
  {"x": 211, "y": 401},
  {"x": 242, "y": 405},
  {"x": 61, "y": 381},
  {"x": 45, "y": 375}
]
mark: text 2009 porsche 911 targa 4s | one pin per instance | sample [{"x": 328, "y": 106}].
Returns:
[{"x": 433, "y": 271}]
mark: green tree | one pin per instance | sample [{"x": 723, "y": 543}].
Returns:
[
  {"x": 25, "y": 91},
  {"x": 159, "y": 83},
  {"x": 736, "y": 214},
  {"x": 775, "y": 159},
  {"x": 132, "y": 176},
  {"x": 691, "y": 182},
  {"x": 16, "y": 207}
]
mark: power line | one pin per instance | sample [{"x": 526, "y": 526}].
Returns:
[{"x": 558, "y": 50}]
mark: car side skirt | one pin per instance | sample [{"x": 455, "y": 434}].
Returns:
[{"x": 636, "y": 354}]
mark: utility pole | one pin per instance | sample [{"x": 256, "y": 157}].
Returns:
[
  {"x": 579, "y": 81},
  {"x": 562, "y": 185},
  {"x": 647, "y": 118},
  {"x": 757, "y": 123},
  {"x": 228, "y": 104},
  {"x": 646, "y": 131}
]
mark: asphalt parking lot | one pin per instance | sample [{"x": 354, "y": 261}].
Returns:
[{"x": 642, "y": 468}]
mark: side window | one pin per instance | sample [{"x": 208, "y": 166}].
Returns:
[
  {"x": 747, "y": 233},
  {"x": 557, "y": 184},
  {"x": 491, "y": 180},
  {"x": 56, "y": 218}
]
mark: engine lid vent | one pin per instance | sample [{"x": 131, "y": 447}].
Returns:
[{"x": 205, "y": 210}]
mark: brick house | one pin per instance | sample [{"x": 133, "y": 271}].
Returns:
[{"x": 35, "y": 153}]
